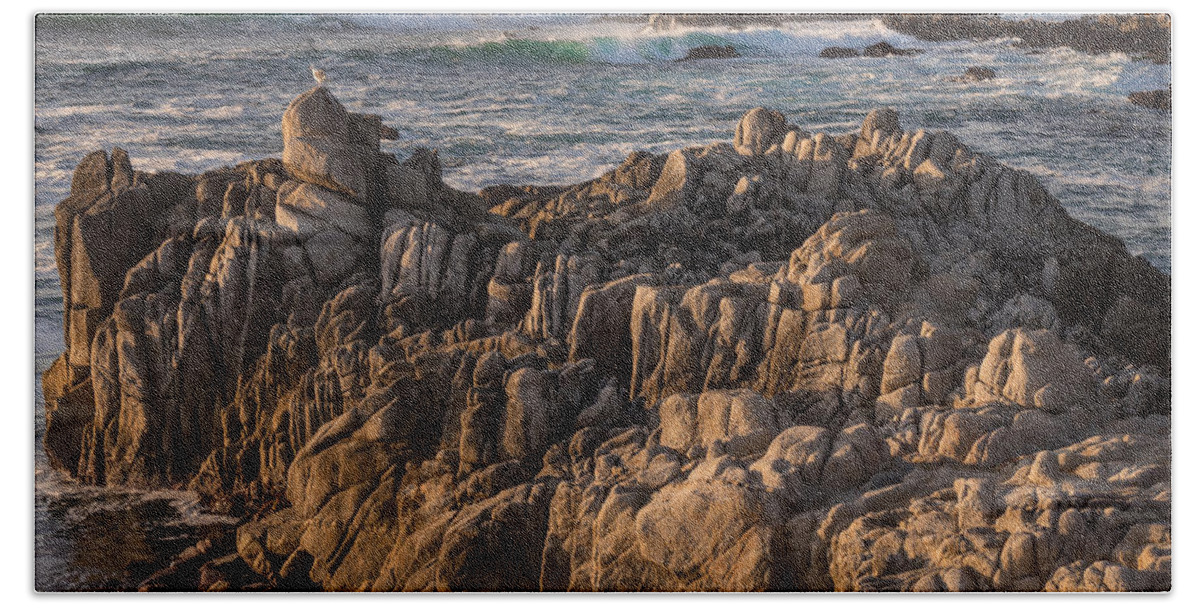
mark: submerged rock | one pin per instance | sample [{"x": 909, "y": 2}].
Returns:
[{"x": 975, "y": 73}]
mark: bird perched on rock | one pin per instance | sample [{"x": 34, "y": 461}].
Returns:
[{"x": 318, "y": 74}]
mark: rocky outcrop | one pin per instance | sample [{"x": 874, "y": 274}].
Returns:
[
  {"x": 876, "y": 360},
  {"x": 1141, "y": 35},
  {"x": 1054, "y": 524}
]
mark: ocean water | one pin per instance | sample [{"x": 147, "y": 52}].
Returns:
[{"x": 530, "y": 99}]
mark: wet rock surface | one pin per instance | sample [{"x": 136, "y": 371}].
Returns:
[
  {"x": 975, "y": 73},
  {"x": 838, "y": 52},
  {"x": 711, "y": 51},
  {"x": 879, "y": 49},
  {"x": 1155, "y": 100},
  {"x": 876, "y": 360}
]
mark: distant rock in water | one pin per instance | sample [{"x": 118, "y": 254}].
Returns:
[
  {"x": 871, "y": 360},
  {"x": 838, "y": 52},
  {"x": 883, "y": 49},
  {"x": 1140, "y": 35},
  {"x": 975, "y": 74},
  {"x": 879, "y": 49},
  {"x": 712, "y": 51},
  {"x": 1157, "y": 100}
]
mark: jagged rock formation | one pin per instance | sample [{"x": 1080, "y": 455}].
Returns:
[{"x": 875, "y": 360}]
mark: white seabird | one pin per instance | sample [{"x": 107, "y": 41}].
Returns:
[{"x": 318, "y": 74}]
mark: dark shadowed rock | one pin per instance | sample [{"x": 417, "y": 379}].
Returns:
[
  {"x": 838, "y": 52},
  {"x": 975, "y": 74},
  {"x": 883, "y": 49},
  {"x": 1155, "y": 100},
  {"x": 711, "y": 51}
]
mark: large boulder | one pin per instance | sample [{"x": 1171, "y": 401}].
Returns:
[
  {"x": 1035, "y": 369},
  {"x": 325, "y": 145},
  {"x": 838, "y": 52},
  {"x": 758, "y": 130},
  {"x": 795, "y": 457},
  {"x": 718, "y": 534},
  {"x": 883, "y": 49}
]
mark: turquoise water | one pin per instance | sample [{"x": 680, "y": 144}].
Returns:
[{"x": 548, "y": 99}]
